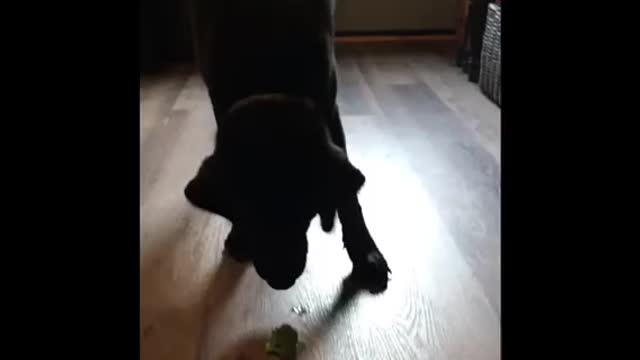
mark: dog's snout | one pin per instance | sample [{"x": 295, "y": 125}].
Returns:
[{"x": 281, "y": 284}]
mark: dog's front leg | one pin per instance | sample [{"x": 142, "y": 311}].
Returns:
[{"x": 370, "y": 268}]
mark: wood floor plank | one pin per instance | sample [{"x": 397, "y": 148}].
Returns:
[
  {"x": 460, "y": 173},
  {"x": 454, "y": 89}
]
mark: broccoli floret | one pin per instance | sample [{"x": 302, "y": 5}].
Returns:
[{"x": 283, "y": 343}]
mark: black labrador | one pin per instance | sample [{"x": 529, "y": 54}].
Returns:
[{"x": 280, "y": 156}]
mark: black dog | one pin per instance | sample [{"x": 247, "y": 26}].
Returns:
[{"x": 280, "y": 156}]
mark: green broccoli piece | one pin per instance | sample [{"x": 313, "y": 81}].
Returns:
[{"x": 283, "y": 343}]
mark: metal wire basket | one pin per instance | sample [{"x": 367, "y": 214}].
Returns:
[{"x": 490, "y": 65}]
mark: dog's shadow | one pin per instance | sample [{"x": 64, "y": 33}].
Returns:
[
  {"x": 172, "y": 321},
  {"x": 252, "y": 346},
  {"x": 222, "y": 287},
  {"x": 348, "y": 291}
]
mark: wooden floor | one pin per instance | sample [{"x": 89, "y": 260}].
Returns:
[{"x": 428, "y": 142}]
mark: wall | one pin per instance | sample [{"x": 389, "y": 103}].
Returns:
[
  {"x": 164, "y": 31},
  {"x": 396, "y": 15}
]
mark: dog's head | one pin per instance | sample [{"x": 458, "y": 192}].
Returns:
[{"x": 274, "y": 168}]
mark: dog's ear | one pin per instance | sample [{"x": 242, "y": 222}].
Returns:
[
  {"x": 209, "y": 189},
  {"x": 343, "y": 181},
  {"x": 327, "y": 217}
]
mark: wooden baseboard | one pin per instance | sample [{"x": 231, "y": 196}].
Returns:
[
  {"x": 386, "y": 39},
  {"x": 395, "y": 38}
]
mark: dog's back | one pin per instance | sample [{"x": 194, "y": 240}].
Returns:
[{"x": 249, "y": 47}]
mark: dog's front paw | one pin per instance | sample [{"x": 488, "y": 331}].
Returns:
[{"x": 371, "y": 273}]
